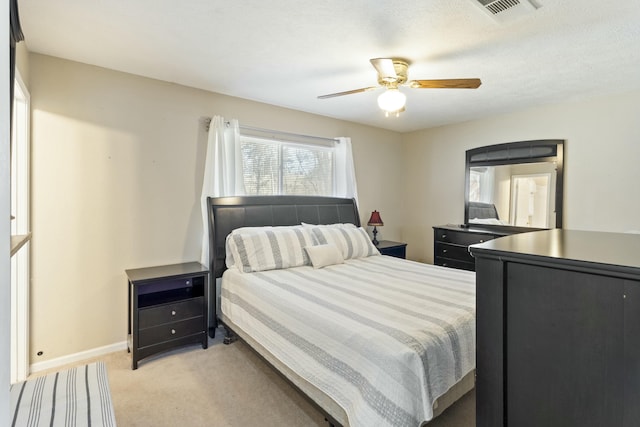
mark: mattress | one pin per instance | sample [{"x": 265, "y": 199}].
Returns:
[{"x": 382, "y": 337}]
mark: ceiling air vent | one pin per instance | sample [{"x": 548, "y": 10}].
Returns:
[{"x": 506, "y": 10}]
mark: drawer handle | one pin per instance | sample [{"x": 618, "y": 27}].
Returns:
[
  {"x": 173, "y": 332},
  {"x": 187, "y": 282},
  {"x": 444, "y": 236},
  {"x": 173, "y": 312},
  {"x": 481, "y": 241},
  {"x": 444, "y": 251}
]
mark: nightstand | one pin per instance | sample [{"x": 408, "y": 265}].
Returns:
[
  {"x": 396, "y": 249},
  {"x": 167, "y": 308}
]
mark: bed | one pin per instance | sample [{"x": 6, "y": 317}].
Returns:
[
  {"x": 369, "y": 339},
  {"x": 485, "y": 213},
  {"x": 479, "y": 210}
]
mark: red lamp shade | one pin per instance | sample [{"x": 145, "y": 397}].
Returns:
[{"x": 375, "y": 219}]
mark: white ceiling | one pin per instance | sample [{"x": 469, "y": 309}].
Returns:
[{"x": 286, "y": 53}]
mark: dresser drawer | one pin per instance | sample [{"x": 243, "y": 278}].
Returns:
[
  {"x": 454, "y": 263},
  {"x": 169, "y": 331},
  {"x": 448, "y": 250},
  {"x": 461, "y": 237}
]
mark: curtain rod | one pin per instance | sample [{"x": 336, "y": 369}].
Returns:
[{"x": 277, "y": 132}]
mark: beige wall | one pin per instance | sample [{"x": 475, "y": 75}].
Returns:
[
  {"x": 116, "y": 175},
  {"x": 22, "y": 62},
  {"x": 602, "y": 150}
]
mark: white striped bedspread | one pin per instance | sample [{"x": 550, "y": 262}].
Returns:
[
  {"x": 383, "y": 337},
  {"x": 74, "y": 397}
]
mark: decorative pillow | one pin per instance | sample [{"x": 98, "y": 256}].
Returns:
[
  {"x": 268, "y": 248},
  {"x": 324, "y": 255},
  {"x": 352, "y": 242}
]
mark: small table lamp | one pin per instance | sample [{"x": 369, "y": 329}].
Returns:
[{"x": 375, "y": 220}]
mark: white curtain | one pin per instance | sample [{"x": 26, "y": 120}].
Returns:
[
  {"x": 487, "y": 181},
  {"x": 345, "y": 171},
  {"x": 222, "y": 171}
]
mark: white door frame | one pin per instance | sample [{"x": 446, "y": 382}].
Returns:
[
  {"x": 514, "y": 194},
  {"x": 20, "y": 194}
]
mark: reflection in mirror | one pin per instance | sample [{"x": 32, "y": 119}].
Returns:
[
  {"x": 516, "y": 186},
  {"x": 520, "y": 195}
]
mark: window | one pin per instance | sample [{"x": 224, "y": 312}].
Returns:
[
  {"x": 481, "y": 184},
  {"x": 282, "y": 167},
  {"x": 474, "y": 186},
  {"x": 243, "y": 160}
]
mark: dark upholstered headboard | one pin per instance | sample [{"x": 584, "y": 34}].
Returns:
[
  {"x": 228, "y": 213},
  {"x": 482, "y": 210}
]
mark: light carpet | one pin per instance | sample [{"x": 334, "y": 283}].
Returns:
[{"x": 223, "y": 386}]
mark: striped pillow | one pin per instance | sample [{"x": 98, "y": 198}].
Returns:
[
  {"x": 268, "y": 248},
  {"x": 353, "y": 242}
]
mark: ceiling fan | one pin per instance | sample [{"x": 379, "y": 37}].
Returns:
[{"x": 392, "y": 73}]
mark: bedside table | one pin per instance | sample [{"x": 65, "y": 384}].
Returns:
[
  {"x": 396, "y": 249},
  {"x": 168, "y": 308}
]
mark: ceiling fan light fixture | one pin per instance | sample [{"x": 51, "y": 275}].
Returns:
[
  {"x": 392, "y": 73},
  {"x": 392, "y": 100}
]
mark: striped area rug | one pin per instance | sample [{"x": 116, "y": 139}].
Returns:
[{"x": 75, "y": 397}]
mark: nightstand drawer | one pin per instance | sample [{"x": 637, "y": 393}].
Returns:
[
  {"x": 172, "y": 312},
  {"x": 171, "y": 331},
  {"x": 447, "y": 250}
]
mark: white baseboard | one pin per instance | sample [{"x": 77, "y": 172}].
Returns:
[{"x": 77, "y": 357}]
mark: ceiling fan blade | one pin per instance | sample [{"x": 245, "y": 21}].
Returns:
[
  {"x": 384, "y": 67},
  {"x": 349, "y": 92},
  {"x": 445, "y": 84}
]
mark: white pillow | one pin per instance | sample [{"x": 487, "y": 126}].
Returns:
[
  {"x": 268, "y": 248},
  {"x": 324, "y": 255},
  {"x": 352, "y": 242}
]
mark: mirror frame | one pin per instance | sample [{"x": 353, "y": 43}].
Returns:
[{"x": 536, "y": 151}]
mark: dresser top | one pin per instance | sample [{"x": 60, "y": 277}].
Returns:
[
  {"x": 479, "y": 229},
  {"x": 569, "y": 246}
]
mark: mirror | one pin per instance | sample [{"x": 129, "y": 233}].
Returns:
[{"x": 516, "y": 185}]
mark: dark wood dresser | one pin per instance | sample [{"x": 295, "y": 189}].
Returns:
[
  {"x": 167, "y": 308},
  {"x": 451, "y": 244},
  {"x": 558, "y": 330}
]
